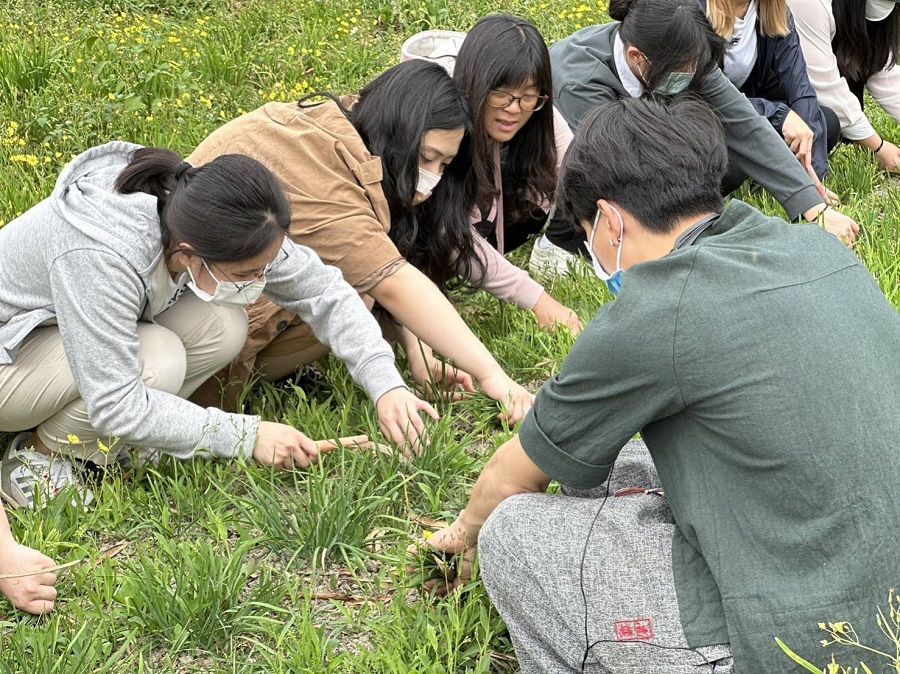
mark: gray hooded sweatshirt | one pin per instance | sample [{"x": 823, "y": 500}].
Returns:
[{"x": 88, "y": 259}]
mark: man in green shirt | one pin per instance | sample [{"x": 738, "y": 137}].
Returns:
[{"x": 760, "y": 363}]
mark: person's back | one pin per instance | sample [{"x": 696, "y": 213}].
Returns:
[
  {"x": 760, "y": 363},
  {"x": 779, "y": 468}
]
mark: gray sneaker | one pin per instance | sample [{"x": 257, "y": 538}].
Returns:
[
  {"x": 133, "y": 459},
  {"x": 24, "y": 472}
]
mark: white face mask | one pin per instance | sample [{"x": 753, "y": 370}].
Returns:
[
  {"x": 427, "y": 182},
  {"x": 228, "y": 293},
  {"x": 879, "y": 10}
]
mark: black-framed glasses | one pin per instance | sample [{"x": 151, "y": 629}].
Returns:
[
  {"x": 503, "y": 99},
  {"x": 283, "y": 255}
]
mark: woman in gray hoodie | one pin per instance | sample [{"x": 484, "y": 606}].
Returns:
[{"x": 125, "y": 289}]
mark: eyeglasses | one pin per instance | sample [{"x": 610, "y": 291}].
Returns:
[
  {"x": 502, "y": 99},
  {"x": 283, "y": 255}
]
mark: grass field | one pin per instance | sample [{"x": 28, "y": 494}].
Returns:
[{"x": 220, "y": 567}]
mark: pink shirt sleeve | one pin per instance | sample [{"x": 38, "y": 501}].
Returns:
[
  {"x": 563, "y": 135},
  {"x": 503, "y": 279}
]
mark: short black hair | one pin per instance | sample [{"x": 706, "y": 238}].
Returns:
[{"x": 661, "y": 160}]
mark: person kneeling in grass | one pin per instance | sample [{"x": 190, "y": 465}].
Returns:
[
  {"x": 26, "y": 590},
  {"x": 125, "y": 290},
  {"x": 759, "y": 362},
  {"x": 381, "y": 186}
]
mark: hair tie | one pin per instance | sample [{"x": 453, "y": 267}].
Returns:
[{"x": 182, "y": 167}]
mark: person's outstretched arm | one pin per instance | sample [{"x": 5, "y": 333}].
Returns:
[
  {"x": 34, "y": 593},
  {"x": 417, "y": 304}
]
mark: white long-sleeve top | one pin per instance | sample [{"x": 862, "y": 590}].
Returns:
[{"x": 816, "y": 27}]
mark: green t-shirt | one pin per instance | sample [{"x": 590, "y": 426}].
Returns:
[{"x": 762, "y": 367}]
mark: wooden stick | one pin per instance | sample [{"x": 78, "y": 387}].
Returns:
[
  {"x": 353, "y": 442},
  {"x": 360, "y": 441},
  {"x": 108, "y": 553}
]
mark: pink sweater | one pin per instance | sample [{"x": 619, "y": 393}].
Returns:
[{"x": 502, "y": 278}]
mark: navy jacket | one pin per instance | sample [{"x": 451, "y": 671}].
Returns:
[{"x": 779, "y": 83}]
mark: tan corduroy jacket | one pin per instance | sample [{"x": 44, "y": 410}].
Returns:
[{"x": 337, "y": 205}]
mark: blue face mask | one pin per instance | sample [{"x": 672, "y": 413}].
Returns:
[{"x": 614, "y": 280}]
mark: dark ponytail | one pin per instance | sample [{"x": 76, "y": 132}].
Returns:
[
  {"x": 672, "y": 34},
  {"x": 862, "y": 47},
  {"x": 229, "y": 210}
]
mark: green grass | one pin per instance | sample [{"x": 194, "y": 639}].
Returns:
[{"x": 228, "y": 567}]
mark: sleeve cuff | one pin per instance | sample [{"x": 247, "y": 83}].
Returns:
[
  {"x": 529, "y": 294},
  {"x": 231, "y": 436},
  {"x": 378, "y": 376},
  {"x": 556, "y": 463},
  {"x": 859, "y": 130},
  {"x": 800, "y": 202},
  {"x": 777, "y": 119}
]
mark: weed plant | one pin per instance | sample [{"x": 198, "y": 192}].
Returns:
[{"x": 229, "y": 567}]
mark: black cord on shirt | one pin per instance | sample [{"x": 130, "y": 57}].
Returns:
[{"x": 588, "y": 644}]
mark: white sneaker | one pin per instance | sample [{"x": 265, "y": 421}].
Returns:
[
  {"x": 548, "y": 259},
  {"x": 23, "y": 473}
]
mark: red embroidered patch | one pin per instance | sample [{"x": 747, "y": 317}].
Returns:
[{"x": 638, "y": 629}]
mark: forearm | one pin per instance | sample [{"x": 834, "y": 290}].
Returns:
[
  {"x": 420, "y": 307},
  {"x": 871, "y": 143},
  {"x": 508, "y": 472}
]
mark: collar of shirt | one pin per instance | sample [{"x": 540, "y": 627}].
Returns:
[{"x": 631, "y": 83}]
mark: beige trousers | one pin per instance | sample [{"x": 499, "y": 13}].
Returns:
[{"x": 187, "y": 345}]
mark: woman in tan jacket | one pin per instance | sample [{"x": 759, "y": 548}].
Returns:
[{"x": 380, "y": 187}]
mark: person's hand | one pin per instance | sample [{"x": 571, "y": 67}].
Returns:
[
  {"x": 889, "y": 157},
  {"x": 398, "y": 417},
  {"x": 835, "y": 222},
  {"x": 799, "y": 138},
  {"x": 451, "y": 540},
  {"x": 429, "y": 373},
  {"x": 34, "y": 594},
  {"x": 507, "y": 392},
  {"x": 549, "y": 312},
  {"x": 283, "y": 447}
]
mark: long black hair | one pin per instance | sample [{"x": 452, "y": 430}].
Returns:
[
  {"x": 672, "y": 34},
  {"x": 506, "y": 51},
  {"x": 392, "y": 115},
  {"x": 863, "y": 47},
  {"x": 229, "y": 210}
]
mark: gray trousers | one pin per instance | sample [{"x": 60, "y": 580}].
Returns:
[{"x": 531, "y": 551}]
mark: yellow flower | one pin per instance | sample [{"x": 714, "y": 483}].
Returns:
[
  {"x": 73, "y": 439},
  {"x": 427, "y": 534}
]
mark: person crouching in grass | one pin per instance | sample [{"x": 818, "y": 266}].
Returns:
[
  {"x": 126, "y": 288},
  {"x": 759, "y": 361}
]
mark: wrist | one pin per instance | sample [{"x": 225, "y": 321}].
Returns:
[
  {"x": 814, "y": 213},
  {"x": 879, "y": 148},
  {"x": 468, "y": 529}
]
